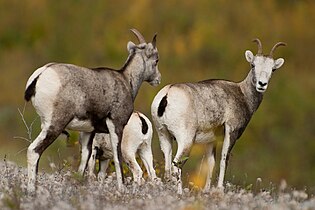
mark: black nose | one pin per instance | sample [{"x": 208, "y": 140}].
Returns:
[{"x": 262, "y": 84}]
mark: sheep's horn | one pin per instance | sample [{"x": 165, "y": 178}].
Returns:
[
  {"x": 154, "y": 40},
  {"x": 138, "y": 35},
  {"x": 259, "y": 46},
  {"x": 274, "y": 47}
]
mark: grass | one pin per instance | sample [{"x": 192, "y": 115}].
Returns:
[{"x": 65, "y": 189}]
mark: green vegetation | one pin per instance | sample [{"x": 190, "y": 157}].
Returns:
[{"x": 196, "y": 40}]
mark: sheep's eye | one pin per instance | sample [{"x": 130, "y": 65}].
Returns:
[
  {"x": 156, "y": 61},
  {"x": 273, "y": 70},
  {"x": 252, "y": 65}
]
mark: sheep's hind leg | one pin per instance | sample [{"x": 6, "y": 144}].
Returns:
[
  {"x": 145, "y": 153},
  {"x": 180, "y": 159},
  {"x": 129, "y": 150},
  {"x": 165, "y": 139},
  {"x": 130, "y": 159},
  {"x": 211, "y": 152},
  {"x": 35, "y": 150}
]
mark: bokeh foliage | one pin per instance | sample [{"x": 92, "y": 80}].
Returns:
[{"x": 196, "y": 40}]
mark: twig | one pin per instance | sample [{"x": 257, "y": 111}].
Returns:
[
  {"x": 25, "y": 148},
  {"x": 23, "y": 138},
  {"x": 29, "y": 128}
]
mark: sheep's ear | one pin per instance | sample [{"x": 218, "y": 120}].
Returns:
[
  {"x": 278, "y": 63},
  {"x": 249, "y": 56},
  {"x": 154, "y": 40},
  {"x": 130, "y": 46}
]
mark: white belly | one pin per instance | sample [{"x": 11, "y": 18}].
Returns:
[
  {"x": 208, "y": 136},
  {"x": 80, "y": 125}
]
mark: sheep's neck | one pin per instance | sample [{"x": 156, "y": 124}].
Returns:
[
  {"x": 133, "y": 72},
  {"x": 253, "y": 97}
]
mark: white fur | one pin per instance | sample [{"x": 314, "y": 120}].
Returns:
[
  {"x": 35, "y": 74},
  {"x": 133, "y": 142},
  {"x": 80, "y": 125},
  {"x": 84, "y": 141},
  {"x": 47, "y": 94}
]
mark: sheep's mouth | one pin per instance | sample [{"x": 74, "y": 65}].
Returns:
[
  {"x": 260, "y": 89},
  {"x": 155, "y": 82}
]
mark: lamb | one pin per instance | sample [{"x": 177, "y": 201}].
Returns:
[
  {"x": 199, "y": 112},
  {"x": 98, "y": 100},
  {"x": 136, "y": 138}
]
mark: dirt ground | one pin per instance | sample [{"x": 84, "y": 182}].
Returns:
[{"x": 67, "y": 190}]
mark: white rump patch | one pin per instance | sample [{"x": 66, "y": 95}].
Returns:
[
  {"x": 35, "y": 74},
  {"x": 47, "y": 88}
]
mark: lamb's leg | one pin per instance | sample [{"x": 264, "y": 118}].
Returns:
[
  {"x": 129, "y": 149},
  {"x": 86, "y": 140},
  {"x": 224, "y": 155},
  {"x": 145, "y": 153},
  {"x": 115, "y": 133},
  {"x": 35, "y": 150},
  {"x": 130, "y": 159},
  {"x": 91, "y": 164},
  {"x": 103, "y": 167},
  {"x": 166, "y": 147},
  {"x": 211, "y": 152}
]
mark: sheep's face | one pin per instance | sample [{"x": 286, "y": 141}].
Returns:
[
  {"x": 262, "y": 68},
  {"x": 150, "y": 56}
]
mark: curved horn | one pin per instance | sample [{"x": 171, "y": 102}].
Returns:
[
  {"x": 138, "y": 35},
  {"x": 259, "y": 46},
  {"x": 154, "y": 40},
  {"x": 274, "y": 47}
]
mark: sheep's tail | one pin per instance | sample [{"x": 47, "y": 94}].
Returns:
[
  {"x": 162, "y": 106},
  {"x": 30, "y": 88}
]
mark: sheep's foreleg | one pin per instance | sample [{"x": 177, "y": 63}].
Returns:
[{"x": 224, "y": 155}]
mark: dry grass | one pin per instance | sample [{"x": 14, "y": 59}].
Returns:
[{"x": 67, "y": 190}]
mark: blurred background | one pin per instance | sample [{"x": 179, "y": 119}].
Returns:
[{"x": 197, "y": 40}]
